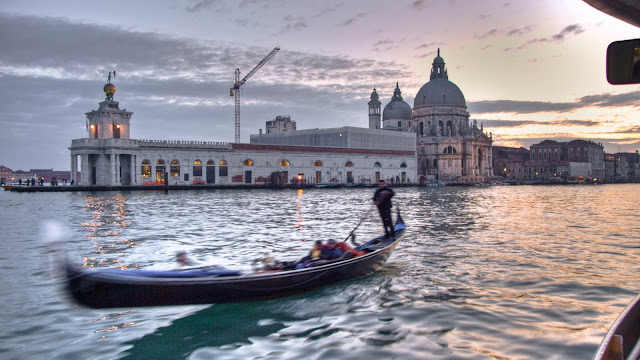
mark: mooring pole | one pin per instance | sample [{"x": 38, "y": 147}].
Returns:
[{"x": 166, "y": 183}]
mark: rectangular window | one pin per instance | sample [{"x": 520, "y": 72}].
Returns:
[
  {"x": 145, "y": 171},
  {"x": 175, "y": 171},
  {"x": 222, "y": 170},
  {"x": 116, "y": 131},
  {"x": 186, "y": 177},
  {"x": 197, "y": 170}
]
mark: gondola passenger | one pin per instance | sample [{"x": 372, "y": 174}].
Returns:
[{"x": 331, "y": 251}]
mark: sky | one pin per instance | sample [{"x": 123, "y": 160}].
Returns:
[{"x": 529, "y": 70}]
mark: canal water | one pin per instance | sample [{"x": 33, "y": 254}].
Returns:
[{"x": 505, "y": 272}]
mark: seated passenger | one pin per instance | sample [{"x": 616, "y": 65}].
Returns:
[
  {"x": 314, "y": 254},
  {"x": 331, "y": 251},
  {"x": 345, "y": 247},
  {"x": 183, "y": 259}
]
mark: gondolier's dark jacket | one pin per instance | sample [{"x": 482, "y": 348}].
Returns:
[{"x": 385, "y": 202}]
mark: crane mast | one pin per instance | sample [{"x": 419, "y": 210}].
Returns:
[{"x": 235, "y": 90}]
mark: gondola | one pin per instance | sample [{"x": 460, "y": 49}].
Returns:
[
  {"x": 113, "y": 288},
  {"x": 623, "y": 339}
]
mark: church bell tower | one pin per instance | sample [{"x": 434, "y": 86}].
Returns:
[{"x": 374, "y": 111}]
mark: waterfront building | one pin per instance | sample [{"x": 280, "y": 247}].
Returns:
[
  {"x": 508, "y": 162},
  {"x": 622, "y": 167},
  {"x": 581, "y": 159},
  {"x": 23, "y": 175},
  {"x": 6, "y": 174}
]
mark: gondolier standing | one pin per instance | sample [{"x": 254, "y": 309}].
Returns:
[{"x": 382, "y": 199}]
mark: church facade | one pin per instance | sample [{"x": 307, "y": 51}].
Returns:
[{"x": 449, "y": 147}]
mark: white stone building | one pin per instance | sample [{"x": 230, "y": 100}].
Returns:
[{"x": 109, "y": 157}]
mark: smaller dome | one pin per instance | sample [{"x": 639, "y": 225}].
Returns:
[
  {"x": 374, "y": 95},
  {"x": 397, "y": 109},
  {"x": 438, "y": 60}
]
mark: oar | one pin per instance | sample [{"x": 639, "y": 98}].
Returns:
[{"x": 352, "y": 234}]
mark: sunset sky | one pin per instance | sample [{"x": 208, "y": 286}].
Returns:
[{"x": 529, "y": 70}]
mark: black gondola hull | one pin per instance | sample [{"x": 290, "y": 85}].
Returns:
[{"x": 108, "y": 289}]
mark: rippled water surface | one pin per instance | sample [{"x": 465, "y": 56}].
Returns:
[{"x": 511, "y": 272}]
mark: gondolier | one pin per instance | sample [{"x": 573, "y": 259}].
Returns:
[{"x": 382, "y": 199}]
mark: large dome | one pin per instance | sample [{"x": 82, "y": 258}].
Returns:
[
  {"x": 439, "y": 90},
  {"x": 397, "y": 109}
]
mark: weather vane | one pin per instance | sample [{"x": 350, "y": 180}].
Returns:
[{"x": 114, "y": 75}]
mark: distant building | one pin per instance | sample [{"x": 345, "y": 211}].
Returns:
[
  {"x": 48, "y": 174},
  {"x": 280, "y": 124},
  {"x": 23, "y": 175},
  {"x": 508, "y": 162},
  {"x": 622, "y": 167},
  {"x": 553, "y": 161},
  {"x": 6, "y": 174}
]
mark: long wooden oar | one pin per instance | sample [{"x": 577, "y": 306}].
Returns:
[{"x": 352, "y": 234}]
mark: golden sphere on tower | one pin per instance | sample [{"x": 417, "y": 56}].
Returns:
[{"x": 109, "y": 88}]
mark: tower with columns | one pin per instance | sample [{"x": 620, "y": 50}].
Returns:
[{"x": 107, "y": 154}]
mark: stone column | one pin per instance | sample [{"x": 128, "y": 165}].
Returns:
[
  {"x": 74, "y": 166},
  {"x": 112, "y": 168},
  {"x": 117, "y": 171},
  {"x": 85, "y": 170},
  {"x": 132, "y": 170}
]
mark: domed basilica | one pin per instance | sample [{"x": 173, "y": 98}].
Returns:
[{"x": 449, "y": 147}]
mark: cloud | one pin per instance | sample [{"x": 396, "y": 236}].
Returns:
[
  {"x": 199, "y": 5},
  {"x": 527, "y": 107},
  {"x": 573, "y": 29},
  {"x": 418, "y": 4},
  {"x": 353, "y": 19},
  {"x": 293, "y": 23},
  {"x": 523, "y": 123},
  {"x": 492, "y": 32},
  {"x": 629, "y": 130},
  {"x": 519, "y": 31}
]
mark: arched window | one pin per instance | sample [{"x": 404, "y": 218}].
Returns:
[
  {"x": 160, "y": 162},
  {"x": 377, "y": 165},
  {"x": 348, "y": 164},
  {"x": 403, "y": 165},
  {"x": 145, "y": 171},
  {"x": 197, "y": 168},
  {"x": 317, "y": 163},
  {"x": 248, "y": 162},
  {"x": 222, "y": 169},
  {"x": 175, "y": 168},
  {"x": 284, "y": 163},
  {"x": 421, "y": 128},
  {"x": 450, "y": 150}
]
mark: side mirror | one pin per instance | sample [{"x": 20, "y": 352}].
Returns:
[{"x": 623, "y": 62}]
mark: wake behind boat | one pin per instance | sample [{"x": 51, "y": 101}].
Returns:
[{"x": 109, "y": 288}]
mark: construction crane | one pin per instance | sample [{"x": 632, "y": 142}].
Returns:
[{"x": 235, "y": 90}]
